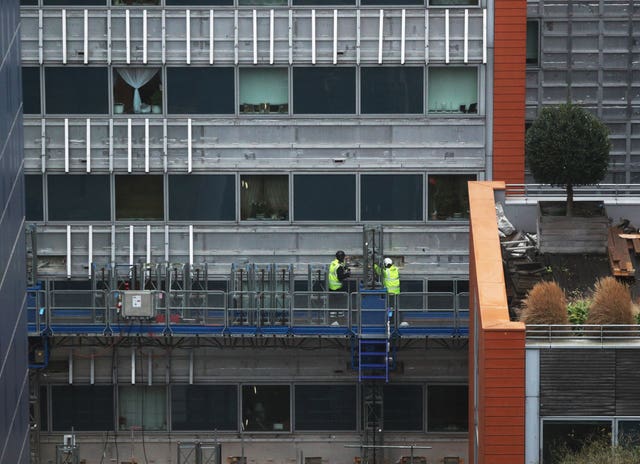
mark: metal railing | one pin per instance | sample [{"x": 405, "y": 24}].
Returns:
[
  {"x": 582, "y": 333},
  {"x": 199, "y": 311},
  {"x": 599, "y": 191}
]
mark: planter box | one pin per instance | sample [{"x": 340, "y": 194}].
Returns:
[{"x": 584, "y": 232}]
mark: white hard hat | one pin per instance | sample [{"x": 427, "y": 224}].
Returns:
[{"x": 388, "y": 262}]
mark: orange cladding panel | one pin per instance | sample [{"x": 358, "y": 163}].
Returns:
[{"x": 510, "y": 27}]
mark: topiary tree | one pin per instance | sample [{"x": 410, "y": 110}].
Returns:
[{"x": 567, "y": 146}]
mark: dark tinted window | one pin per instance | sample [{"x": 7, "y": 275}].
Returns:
[
  {"x": 532, "y": 42},
  {"x": 76, "y": 90},
  {"x": 324, "y": 90},
  {"x": 199, "y": 2},
  {"x": 411, "y": 286},
  {"x": 200, "y": 90},
  {"x": 452, "y": 2},
  {"x": 323, "y": 3},
  {"x": 204, "y": 407},
  {"x": 403, "y": 406},
  {"x": 391, "y": 197},
  {"x": 265, "y": 408},
  {"x": 73, "y": 2},
  {"x": 78, "y": 198},
  {"x": 391, "y": 90},
  {"x": 324, "y": 197},
  {"x": 139, "y": 197},
  {"x": 202, "y": 198},
  {"x": 83, "y": 408},
  {"x": 31, "y": 90},
  {"x": 447, "y": 408},
  {"x": 44, "y": 411},
  {"x": 558, "y": 437},
  {"x": 28, "y": 2},
  {"x": 392, "y": 2},
  {"x": 33, "y": 198},
  {"x": 325, "y": 407}
]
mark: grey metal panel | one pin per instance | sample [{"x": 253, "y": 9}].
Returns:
[
  {"x": 587, "y": 55},
  {"x": 627, "y": 381},
  {"x": 177, "y": 43},
  {"x": 231, "y": 143},
  {"x": 14, "y": 390},
  {"x": 577, "y": 382}
]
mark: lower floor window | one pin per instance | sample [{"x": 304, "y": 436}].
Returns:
[
  {"x": 265, "y": 408},
  {"x": 562, "y": 437},
  {"x": 142, "y": 408}
]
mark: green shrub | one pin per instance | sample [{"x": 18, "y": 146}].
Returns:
[
  {"x": 601, "y": 452},
  {"x": 578, "y": 310}
]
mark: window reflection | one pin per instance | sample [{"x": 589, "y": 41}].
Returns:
[
  {"x": 453, "y": 90},
  {"x": 264, "y": 90},
  {"x": 139, "y": 198},
  {"x": 264, "y": 198},
  {"x": 265, "y": 408},
  {"x": 448, "y": 197},
  {"x": 137, "y": 90}
]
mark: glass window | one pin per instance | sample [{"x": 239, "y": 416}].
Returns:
[
  {"x": 558, "y": 437},
  {"x": 137, "y": 90},
  {"x": 262, "y": 2},
  {"x": 264, "y": 90},
  {"x": 142, "y": 406},
  {"x": 391, "y": 90},
  {"x": 452, "y": 2},
  {"x": 264, "y": 198},
  {"x": 323, "y": 3},
  {"x": 28, "y": 2},
  {"x": 31, "y": 90},
  {"x": 135, "y": 2},
  {"x": 78, "y": 197},
  {"x": 403, "y": 407},
  {"x": 449, "y": 197},
  {"x": 72, "y": 90},
  {"x": 33, "y": 198},
  {"x": 82, "y": 407},
  {"x": 324, "y": 90},
  {"x": 392, "y": 2},
  {"x": 202, "y": 198},
  {"x": 447, "y": 408},
  {"x": 200, "y": 90},
  {"x": 139, "y": 198},
  {"x": 324, "y": 197},
  {"x": 265, "y": 408},
  {"x": 44, "y": 409},
  {"x": 198, "y": 2},
  {"x": 72, "y": 2},
  {"x": 532, "y": 42},
  {"x": 325, "y": 407},
  {"x": 391, "y": 197},
  {"x": 629, "y": 433},
  {"x": 204, "y": 407},
  {"x": 453, "y": 90}
]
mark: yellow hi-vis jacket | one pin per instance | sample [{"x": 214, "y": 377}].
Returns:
[
  {"x": 390, "y": 278},
  {"x": 334, "y": 282}
]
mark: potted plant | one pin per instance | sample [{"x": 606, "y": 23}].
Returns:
[
  {"x": 156, "y": 102},
  {"x": 567, "y": 146}
]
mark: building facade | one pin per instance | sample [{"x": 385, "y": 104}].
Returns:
[
  {"x": 14, "y": 379},
  {"x": 190, "y": 150}
]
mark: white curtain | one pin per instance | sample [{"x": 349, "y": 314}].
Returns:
[{"x": 136, "y": 78}]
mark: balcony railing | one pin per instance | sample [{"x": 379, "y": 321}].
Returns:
[
  {"x": 191, "y": 312},
  {"x": 582, "y": 335},
  {"x": 615, "y": 192}
]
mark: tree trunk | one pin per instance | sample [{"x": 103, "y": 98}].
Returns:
[{"x": 569, "y": 200}]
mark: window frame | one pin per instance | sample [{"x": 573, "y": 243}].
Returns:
[
  {"x": 360, "y": 196},
  {"x": 480, "y": 78}
]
